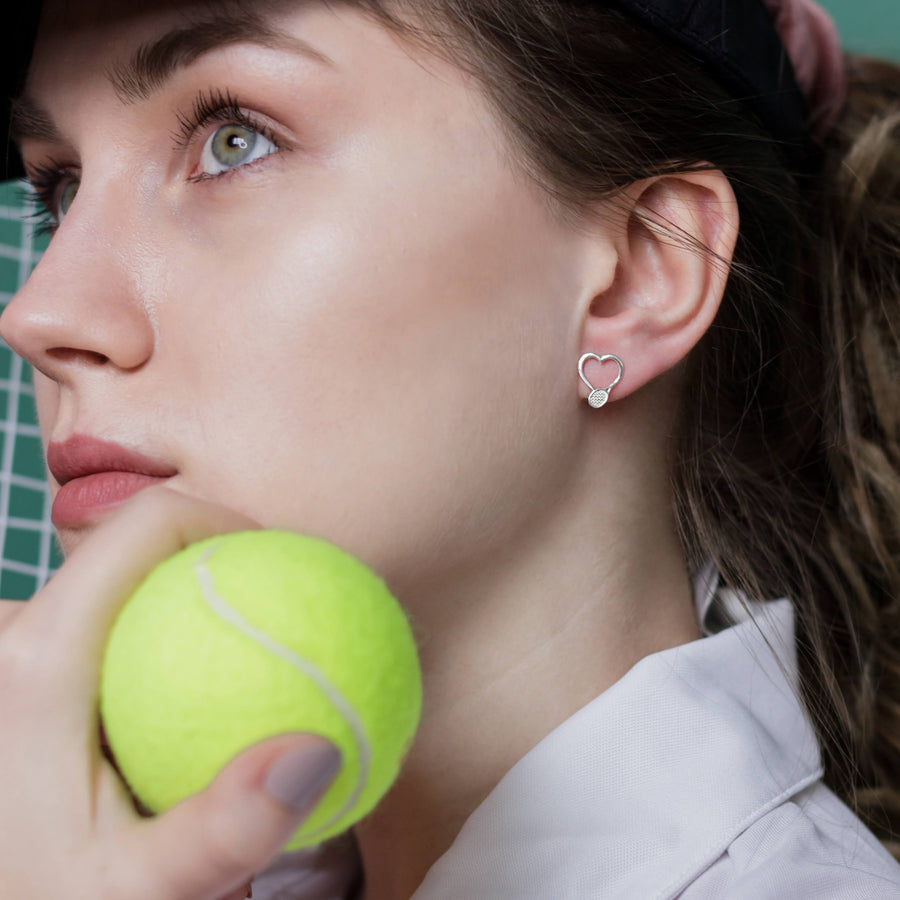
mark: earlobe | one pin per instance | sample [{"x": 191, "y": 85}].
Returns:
[{"x": 674, "y": 253}]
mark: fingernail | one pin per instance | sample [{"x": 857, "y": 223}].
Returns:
[{"x": 300, "y": 774}]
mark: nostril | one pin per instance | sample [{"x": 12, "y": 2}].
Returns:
[
  {"x": 70, "y": 354},
  {"x": 42, "y": 325}
]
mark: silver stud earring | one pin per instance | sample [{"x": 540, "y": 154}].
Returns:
[{"x": 599, "y": 396}]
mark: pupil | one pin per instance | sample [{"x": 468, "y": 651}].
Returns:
[{"x": 233, "y": 144}]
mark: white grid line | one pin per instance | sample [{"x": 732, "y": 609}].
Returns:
[
  {"x": 21, "y": 568},
  {"x": 16, "y": 428},
  {"x": 25, "y": 524},
  {"x": 7, "y": 383},
  {"x": 23, "y": 481},
  {"x": 15, "y": 212},
  {"x": 8, "y": 252}
]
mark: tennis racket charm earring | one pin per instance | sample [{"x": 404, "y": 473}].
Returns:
[{"x": 599, "y": 396}]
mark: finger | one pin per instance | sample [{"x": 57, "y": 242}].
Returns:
[
  {"x": 213, "y": 842},
  {"x": 69, "y": 620},
  {"x": 51, "y": 650}
]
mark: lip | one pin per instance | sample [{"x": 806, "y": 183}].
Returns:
[{"x": 95, "y": 476}]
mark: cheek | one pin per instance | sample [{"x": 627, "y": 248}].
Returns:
[
  {"x": 423, "y": 317},
  {"x": 368, "y": 332},
  {"x": 395, "y": 261}
]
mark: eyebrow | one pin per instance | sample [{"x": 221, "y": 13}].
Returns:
[{"x": 155, "y": 62}]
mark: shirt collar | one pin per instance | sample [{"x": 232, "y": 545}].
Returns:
[{"x": 643, "y": 788}]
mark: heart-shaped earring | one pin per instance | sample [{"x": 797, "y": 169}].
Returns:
[{"x": 599, "y": 396}]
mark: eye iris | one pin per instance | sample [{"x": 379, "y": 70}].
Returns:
[
  {"x": 232, "y": 144},
  {"x": 67, "y": 197}
]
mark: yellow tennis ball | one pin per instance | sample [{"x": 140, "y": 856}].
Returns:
[{"x": 245, "y": 636}]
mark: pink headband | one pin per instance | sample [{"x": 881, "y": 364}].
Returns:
[{"x": 811, "y": 38}]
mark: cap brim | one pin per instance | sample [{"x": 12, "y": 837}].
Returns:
[
  {"x": 759, "y": 71},
  {"x": 16, "y": 41}
]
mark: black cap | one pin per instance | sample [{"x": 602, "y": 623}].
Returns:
[
  {"x": 738, "y": 42},
  {"x": 16, "y": 42},
  {"x": 736, "y": 39}
]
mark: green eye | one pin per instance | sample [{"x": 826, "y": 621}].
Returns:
[
  {"x": 233, "y": 145},
  {"x": 66, "y": 198}
]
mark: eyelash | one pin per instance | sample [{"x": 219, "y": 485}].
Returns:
[
  {"x": 216, "y": 106},
  {"x": 45, "y": 181},
  {"x": 212, "y": 106}
]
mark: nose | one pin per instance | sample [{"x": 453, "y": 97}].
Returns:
[{"x": 79, "y": 309}]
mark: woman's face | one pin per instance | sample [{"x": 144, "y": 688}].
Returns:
[{"x": 318, "y": 290}]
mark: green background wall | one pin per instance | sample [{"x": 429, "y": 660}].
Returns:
[
  {"x": 868, "y": 26},
  {"x": 28, "y": 552}
]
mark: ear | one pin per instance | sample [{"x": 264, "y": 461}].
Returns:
[{"x": 666, "y": 288}]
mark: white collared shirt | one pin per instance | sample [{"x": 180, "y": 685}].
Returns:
[{"x": 696, "y": 775}]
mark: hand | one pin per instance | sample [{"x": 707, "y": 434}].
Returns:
[{"x": 68, "y": 827}]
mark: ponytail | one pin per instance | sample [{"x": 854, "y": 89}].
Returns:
[
  {"x": 858, "y": 275},
  {"x": 788, "y": 470}
]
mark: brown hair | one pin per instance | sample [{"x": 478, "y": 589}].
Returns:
[{"x": 787, "y": 466}]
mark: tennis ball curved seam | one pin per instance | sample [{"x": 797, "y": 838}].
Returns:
[
  {"x": 228, "y": 614},
  {"x": 183, "y": 687}
]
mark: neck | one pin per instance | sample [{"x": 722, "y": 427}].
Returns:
[{"x": 512, "y": 648}]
